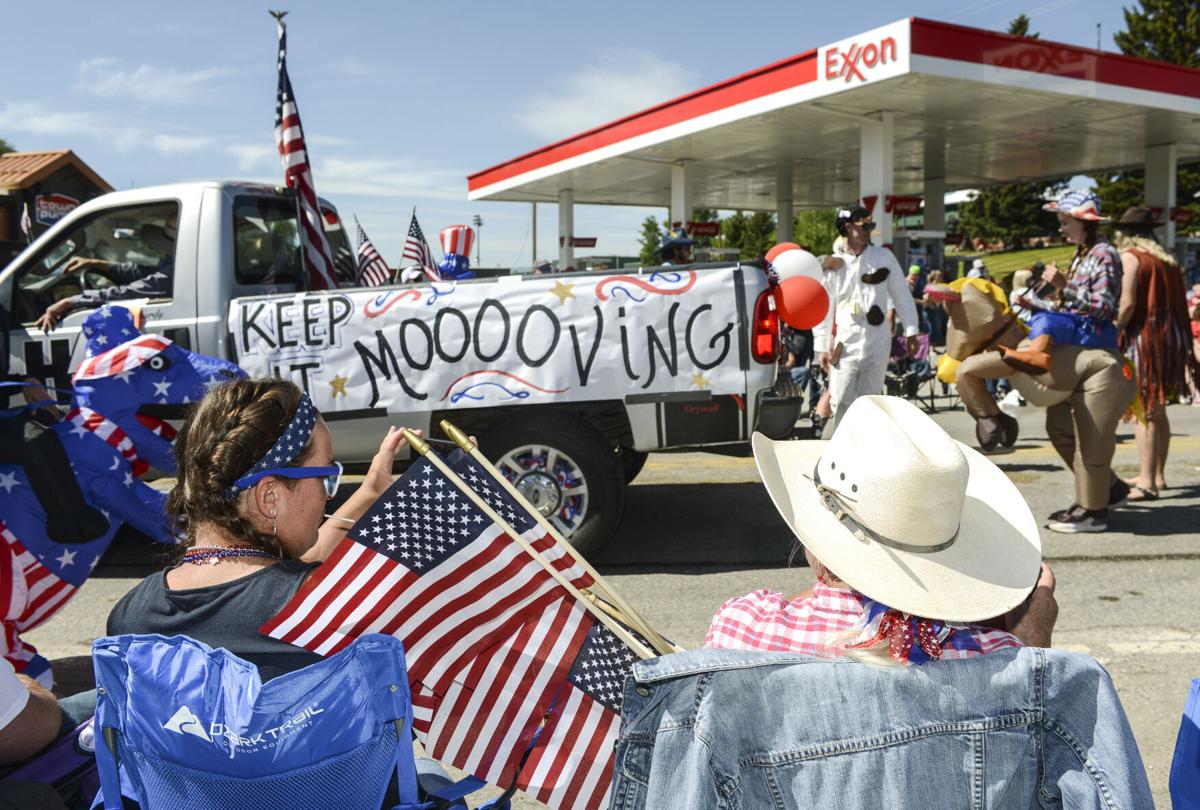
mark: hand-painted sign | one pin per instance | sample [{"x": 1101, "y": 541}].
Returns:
[
  {"x": 50, "y": 208},
  {"x": 488, "y": 343}
]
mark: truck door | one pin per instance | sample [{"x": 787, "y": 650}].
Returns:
[{"x": 132, "y": 255}]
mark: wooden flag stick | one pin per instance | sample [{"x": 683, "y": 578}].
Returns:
[
  {"x": 422, "y": 447},
  {"x": 631, "y": 617}
]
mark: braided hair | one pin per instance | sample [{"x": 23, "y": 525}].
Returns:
[{"x": 224, "y": 434}]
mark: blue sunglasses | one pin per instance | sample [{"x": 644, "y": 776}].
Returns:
[{"x": 331, "y": 476}]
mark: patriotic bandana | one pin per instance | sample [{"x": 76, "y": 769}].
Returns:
[
  {"x": 909, "y": 639},
  {"x": 288, "y": 446}
]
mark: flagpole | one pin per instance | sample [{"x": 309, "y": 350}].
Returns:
[
  {"x": 422, "y": 447},
  {"x": 630, "y": 616}
]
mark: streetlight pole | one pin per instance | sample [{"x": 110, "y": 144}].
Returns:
[{"x": 478, "y": 222}]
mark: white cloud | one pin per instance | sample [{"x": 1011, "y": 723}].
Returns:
[
  {"x": 387, "y": 177},
  {"x": 253, "y": 156},
  {"x": 627, "y": 81},
  {"x": 126, "y": 135},
  {"x": 108, "y": 78}
]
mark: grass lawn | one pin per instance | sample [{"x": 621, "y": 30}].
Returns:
[{"x": 1002, "y": 265}]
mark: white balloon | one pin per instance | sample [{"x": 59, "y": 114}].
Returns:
[{"x": 796, "y": 262}]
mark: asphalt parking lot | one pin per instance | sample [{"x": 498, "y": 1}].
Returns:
[{"x": 699, "y": 529}]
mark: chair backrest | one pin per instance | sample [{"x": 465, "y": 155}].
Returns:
[
  {"x": 1185, "y": 764},
  {"x": 796, "y": 731},
  {"x": 184, "y": 726}
]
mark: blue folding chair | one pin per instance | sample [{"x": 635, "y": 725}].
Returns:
[
  {"x": 183, "y": 726},
  {"x": 1185, "y": 764}
]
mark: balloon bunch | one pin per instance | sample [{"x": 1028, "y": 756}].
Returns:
[{"x": 800, "y": 297}]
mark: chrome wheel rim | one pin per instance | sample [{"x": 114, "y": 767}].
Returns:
[{"x": 551, "y": 481}]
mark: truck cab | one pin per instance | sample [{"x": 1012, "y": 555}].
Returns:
[{"x": 118, "y": 237}]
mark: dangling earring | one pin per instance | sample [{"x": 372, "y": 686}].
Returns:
[{"x": 274, "y": 527}]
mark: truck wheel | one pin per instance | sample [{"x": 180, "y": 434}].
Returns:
[
  {"x": 632, "y": 462},
  {"x": 567, "y": 470}
]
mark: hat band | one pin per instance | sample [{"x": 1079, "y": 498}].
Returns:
[{"x": 832, "y": 501}]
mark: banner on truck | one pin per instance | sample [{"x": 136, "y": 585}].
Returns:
[{"x": 470, "y": 345}]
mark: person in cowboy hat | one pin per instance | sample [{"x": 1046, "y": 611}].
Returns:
[
  {"x": 863, "y": 283},
  {"x": 676, "y": 247},
  {"x": 1155, "y": 334},
  {"x": 915, "y": 538}
]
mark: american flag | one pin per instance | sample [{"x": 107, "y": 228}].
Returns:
[
  {"x": 26, "y": 223},
  {"x": 372, "y": 269},
  {"x": 426, "y": 565},
  {"x": 289, "y": 137},
  {"x": 571, "y": 763},
  {"x": 416, "y": 249},
  {"x": 30, "y": 593}
]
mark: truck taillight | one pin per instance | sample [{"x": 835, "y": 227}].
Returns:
[{"x": 764, "y": 340}]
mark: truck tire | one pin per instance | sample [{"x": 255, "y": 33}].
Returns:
[
  {"x": 632, "y": 462},
  {"x": 566, "y": 469}
]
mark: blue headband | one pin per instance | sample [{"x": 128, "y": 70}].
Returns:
[{"x": 288, "y": 446}]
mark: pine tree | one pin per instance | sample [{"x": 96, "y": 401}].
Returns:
[
  {"x": 650, "y": 240},
  {"x": 1019, "y": 27},
  {"x": 816, "y": 230},
  {"x": 1165, "y": 30},
  {"x": 1012, "y": 213}
]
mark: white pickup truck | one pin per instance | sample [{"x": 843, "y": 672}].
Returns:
[{"x": 568, "y": 380}]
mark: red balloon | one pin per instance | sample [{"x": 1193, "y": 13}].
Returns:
[{"x": 802, "y": 302}]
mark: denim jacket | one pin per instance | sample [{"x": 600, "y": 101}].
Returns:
[{"x": 1019, "y": 728}]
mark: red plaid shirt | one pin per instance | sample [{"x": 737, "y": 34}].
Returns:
[{"x": 821, "y": 624}]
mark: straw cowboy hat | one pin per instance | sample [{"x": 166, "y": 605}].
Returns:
[{"x": 906, "y": 515}]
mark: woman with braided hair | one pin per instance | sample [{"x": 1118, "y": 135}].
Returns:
[
  {"x": 255, "y": 471},
  {"x": 1156, "y": 335}
]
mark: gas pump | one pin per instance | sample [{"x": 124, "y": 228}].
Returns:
[{"x": 926, "y": 248}]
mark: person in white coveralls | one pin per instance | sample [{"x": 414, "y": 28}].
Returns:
[{"x": 868, "y": 282}]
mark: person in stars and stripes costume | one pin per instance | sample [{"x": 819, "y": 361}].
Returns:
[{"x": 54, "y": 543}]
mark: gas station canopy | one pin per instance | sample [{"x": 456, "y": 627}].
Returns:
[{"x": 916, "y": 107}]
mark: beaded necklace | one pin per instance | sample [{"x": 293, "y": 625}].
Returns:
[{"x": 211, "y": 555}]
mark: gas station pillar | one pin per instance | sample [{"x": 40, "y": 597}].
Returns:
[
  {"x": 875, "y": 171},
  {"x": 1161, "y": 167},
  {"x": 784, "y": 214},
  {"x": 566, "y": 229},
  {"x": 681, "y": 195}
]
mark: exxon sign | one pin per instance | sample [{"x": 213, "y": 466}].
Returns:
[{"x": 877, "y": 54}]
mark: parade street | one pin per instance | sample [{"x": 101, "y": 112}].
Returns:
[{"x": 699, "y": 528}]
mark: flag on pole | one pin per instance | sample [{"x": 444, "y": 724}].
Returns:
[
  {"x": 416, "y": 248},
  {"x": 289, "y": 137},
  {"x": 570, "y": 766},
  {"x": 372, "y": 269},
  {"x": 426, "y": 565},
  {"x": 26, "y": 223}
]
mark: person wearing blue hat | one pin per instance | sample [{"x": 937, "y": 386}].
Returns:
[{"x": 676, "y": 247}]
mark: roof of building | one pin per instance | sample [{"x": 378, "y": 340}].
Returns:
[
  {"x": 24, "y": 169},
  {"x": 972, "y": 107}
]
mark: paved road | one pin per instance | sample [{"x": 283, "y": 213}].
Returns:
[{"x": 698, "y": 529}]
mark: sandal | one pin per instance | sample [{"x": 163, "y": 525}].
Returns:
[{"x": 1137, "y": 493}]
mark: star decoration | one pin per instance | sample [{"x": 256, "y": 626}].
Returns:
[
  {"x": 124, "y": 376},
  {"x": 700, "y": 381},
  {"x": 65, "y": 559},
  {"x": 8, "y": 481},
  {"x": 79, "y": 430},
  {"x": 338, "y": 384},
  {"x": 101, "y": 340},
  {"x": 162, "y": 388},
  {"x": 563, "y": 291}
]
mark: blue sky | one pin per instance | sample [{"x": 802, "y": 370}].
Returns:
[{"x": 401, "y": 100}]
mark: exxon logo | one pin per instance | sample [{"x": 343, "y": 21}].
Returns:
[{"x": 850, "y": 63}]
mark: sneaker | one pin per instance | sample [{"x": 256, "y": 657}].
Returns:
[
  {"x": 1081, "y": 521},
  {"x": 1011, "y": 402}
]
